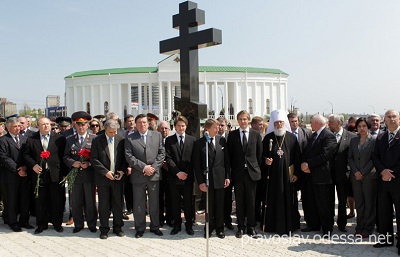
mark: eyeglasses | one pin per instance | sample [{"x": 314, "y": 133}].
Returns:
[{"x": 94, "y": 125}]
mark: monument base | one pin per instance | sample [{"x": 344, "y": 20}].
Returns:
[{"x": 193, "y": 112}]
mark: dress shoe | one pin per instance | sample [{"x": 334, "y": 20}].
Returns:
[
  {"x": 103, "y": 235},
  {"x": 76, "y": 230},
  {"x": 171, "y": 223},
  {"x": 342, "y": 229},
  {"x": 38, "y": 230},
  {"x": 229, "y": 226},
  {"x": 93, "y": 230},
  {"x": 125, "y": 217},
  {"x": 27, "y": 226},
  {"x": 380, "y": 245},
  {"x": 157, "y": 232},
  {"x": 15, "y": 228},
  {"x": 128, "y": 212},
  {"x": 70, "y": 222},
  {"x": 221, "y": 235},
  {"x": 251, "y": 232},
  {"x": 309, "y": 229},
  {"x": 175, "y": 230},
  {"x": 349, "y": 216},
  {"x": 190, "y": 231},
  {"x": 59, "y": 229},
  {"x": 119, "y": 233},
  {"x": 139, "y": 234},
  {"x": 239, "y": 233}
]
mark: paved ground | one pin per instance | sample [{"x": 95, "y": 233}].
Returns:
[{"x": 85, "y": 243}]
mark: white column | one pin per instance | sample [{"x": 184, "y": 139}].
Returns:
[
  {"x": 140, "y": 109},
  {"x": 101, "y": 100},
  {"x": 254, "y": 97},
  {"x": 206, "y": 92},
  {"x": 120, "y": 108},
  {"x": 263, "y": 101},
  {"x": 129, "y": 99},
  {"x": 75, "y": 102},
  {"x": 92, "y": 112},
  {"x": 226, "y": 100},
  {"x": 169, "y": 93},
  {"x": 215, "y": 99},
  {"x": 160, "y": 100},
  {"x": 236, "y": 103},
  {"x": 83, "y": 102}
]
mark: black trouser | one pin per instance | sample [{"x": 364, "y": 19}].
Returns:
[
  {"x": 228, "y": 204},
  {"x": 128, "y": 193},
  {"x": 341, "y": 189},
  {"x": 83, "y": 197},
  {"x": 245, "y": 196},
  {"x": 181, "y": 193},
  {"x": 216, "y": 209},
  {"x": 110, "y": 197},
  {"x": 387, "y": 197},
  {"x": 17, "y": 202},
  {"x": 325, "y": 202},
  {"x": 165, "y": 200}
]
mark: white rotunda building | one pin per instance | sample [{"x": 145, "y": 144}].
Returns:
[{"x": 226, "y": 90}]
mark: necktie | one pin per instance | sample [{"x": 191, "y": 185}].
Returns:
[
  {"x": 244, "y": 141},
  {"x": 45, "y": 142},
  {"x": 181, "y": 143},
  {"x": 81, "y": 140},
  {"x": 391, "y": 137},
  {"x": 17, "y": 141},
  {"x": 373, "y": 133},
  {"x": 337, "y": 137},
  {"x": 144, "y": 138},
  {"x": 22, "y": 132},
  {"x": 211, "y": 144},
  {"x": 297, "y": 135},
  {"x": 112, "y": 154},
  {"x": 314, "y": 137}
]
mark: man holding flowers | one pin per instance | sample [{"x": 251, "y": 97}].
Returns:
[
  {"x": 81, "y": 175},
  {"x": 44, "y": 160}
]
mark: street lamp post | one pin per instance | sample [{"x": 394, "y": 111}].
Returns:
[
  {"x": 331, "y": 106},
  {"x": 373, "y": 109}
]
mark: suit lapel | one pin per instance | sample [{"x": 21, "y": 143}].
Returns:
[{"x": 395, "y": 139}]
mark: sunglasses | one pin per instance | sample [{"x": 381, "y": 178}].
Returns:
[{"x": 94, "y": 125}]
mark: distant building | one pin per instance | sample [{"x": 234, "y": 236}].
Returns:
[
  {"x": 7, "y": 108},
  {"x": 52, "y": 101},
  {"x": 224, "y": 89}
]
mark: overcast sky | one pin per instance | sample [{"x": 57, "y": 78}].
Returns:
[{"x": 346, "y": 52}]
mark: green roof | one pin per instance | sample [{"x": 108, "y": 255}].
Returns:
[{"x": 155, "y": 69}]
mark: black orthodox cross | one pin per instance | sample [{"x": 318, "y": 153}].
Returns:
[{"x": 187, "y": 44}]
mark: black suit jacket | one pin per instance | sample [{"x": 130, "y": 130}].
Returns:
[
  {"x": 11, "y": 157},
  {"x": 100, "y": 157},
  {"x": 218, "y": 162},
  {"x": 72, "y": 149},
  {"x": 252, "y": 157},
  {"x": 319, "y": 154},
  {"x": 304, "y": 135},
  {"x": 178, "y": 161},
  {"x": 388, "y": 157},
  {"x": 55, "y": 161},
  {"x": 340, "y": 169}
]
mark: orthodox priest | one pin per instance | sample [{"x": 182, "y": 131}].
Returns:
[{"x": 281, "y": 153}]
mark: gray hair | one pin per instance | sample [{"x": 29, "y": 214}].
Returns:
[
  {"x": 112, "y": 124},
  {"x": 112, "y": 115},
  {"x": 337, "y": 117},
  {"x": 374, "y": 115},
  {"x": 392, "y": 110},
  {"x": 11, "y": 121},
  {"x": 319, "y": 119}
]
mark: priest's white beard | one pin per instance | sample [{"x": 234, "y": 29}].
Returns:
[{"x": 279, "y": 132}]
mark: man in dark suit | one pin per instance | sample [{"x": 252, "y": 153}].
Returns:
[
  {"x": 108, "y": 161},
  {"x": 375, "y": 121},
  {"x": 165, "y": 191},
  {"x": 15, "y": 177},
  {"x": 50, "y": 200},
  {"x": 224, "y": 132},
  {"x": 245, "y": 152},
  {"x": 83, "y": 194},
  {"x": 218, "y": 174},
  {"x": 386, "y": 158},
  {"x": 304, "y": 181},
  {"x": 316, "y": 160},
  {"x": 178, "y": 150},
  {"x": 145, "y": 155},
  {"x": 339, "y": 166},
  {"x": 25, "y": 131}
]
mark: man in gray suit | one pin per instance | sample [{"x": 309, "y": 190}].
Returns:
[{"x": 145, "y": 154}]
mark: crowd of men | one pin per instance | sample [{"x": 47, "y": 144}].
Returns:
[{"x": 136, "y": 166}]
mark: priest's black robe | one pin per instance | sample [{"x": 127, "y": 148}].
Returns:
[{"x": 282, "y": 214}]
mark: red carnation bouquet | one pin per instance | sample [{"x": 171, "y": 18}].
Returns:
[
  {"x": 44, "y": 155},
  {"x": 70, "y": 178}
]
